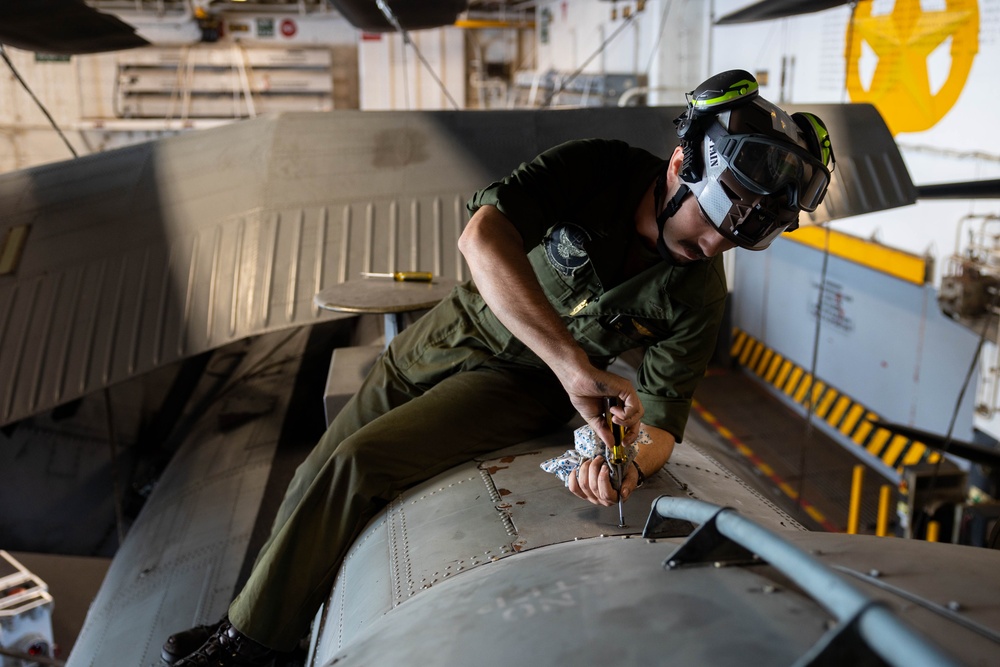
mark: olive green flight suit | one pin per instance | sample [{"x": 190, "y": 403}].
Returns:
[{"x": 456, "y": 384}]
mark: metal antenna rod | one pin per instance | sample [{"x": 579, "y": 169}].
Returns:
[
  {"x": 391, "y": 18},
  {"x": 24, "y": 84}
]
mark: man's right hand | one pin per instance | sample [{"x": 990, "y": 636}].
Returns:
[{"x": 587, "y": 387}]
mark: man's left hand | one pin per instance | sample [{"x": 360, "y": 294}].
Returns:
[{"x": 592, "y": 481}]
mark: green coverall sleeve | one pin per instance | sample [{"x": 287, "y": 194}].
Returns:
[{"x": 672, "y": 368}]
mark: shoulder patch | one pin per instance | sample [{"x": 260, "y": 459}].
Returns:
[{"x": 564, "y": 248}]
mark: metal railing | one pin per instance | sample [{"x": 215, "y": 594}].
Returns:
[{"x": 860, "y": 618}]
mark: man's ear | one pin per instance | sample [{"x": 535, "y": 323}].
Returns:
[
  {"x": 675, "y": 162},
  {"x": 674, "y": 166}
]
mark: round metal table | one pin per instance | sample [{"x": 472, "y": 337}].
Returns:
[{"x": 386, "y": 297}]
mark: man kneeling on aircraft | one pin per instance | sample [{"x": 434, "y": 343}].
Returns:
[{"x": 591, "y": 249}]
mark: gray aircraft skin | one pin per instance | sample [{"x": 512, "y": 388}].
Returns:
[{"x": 217, "y": 243}]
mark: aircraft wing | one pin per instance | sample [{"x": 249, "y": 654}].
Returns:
[
  {"x": 72, "y": 27},
  {"x": 767, "y": 10},
  {"x": 138, "y": 257},
  {"x": 411, "y": 14},
  {"x": 63, "y": 27},
  {"x": 870, "y": 174}
]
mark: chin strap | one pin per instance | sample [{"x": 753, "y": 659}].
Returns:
[{"x": 668, "y": 211}]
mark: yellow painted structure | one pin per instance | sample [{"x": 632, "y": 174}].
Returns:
[
  {"x": 903, "y": 39},
  {"x": 897, "y": 263}
]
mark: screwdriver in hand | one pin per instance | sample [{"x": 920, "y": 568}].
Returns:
[
  {"x": 403, "y": 276},
  {"x": 615, "y": 456}
]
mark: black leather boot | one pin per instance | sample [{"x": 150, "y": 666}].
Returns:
[
  {"x": 186, "y": 642},
  {"x": 228, "y": 647}
]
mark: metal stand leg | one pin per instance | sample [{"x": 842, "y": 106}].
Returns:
[{"x": 393, "y": 325}]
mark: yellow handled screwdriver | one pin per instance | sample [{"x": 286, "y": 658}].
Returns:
[
  {"x": 403, "y": 276},
  {"x": 615, "y": 456}
]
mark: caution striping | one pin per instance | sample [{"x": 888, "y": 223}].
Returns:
[
  {"x": 766, "y": 470},
  {"x": 845, "y": 415}
]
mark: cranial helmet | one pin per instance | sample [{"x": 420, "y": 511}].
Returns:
[{"x": 751, "y": 166}]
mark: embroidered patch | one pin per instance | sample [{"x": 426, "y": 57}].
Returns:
[{"x": 564, "y": 249}]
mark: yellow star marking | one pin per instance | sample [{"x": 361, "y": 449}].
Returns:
[{"x": 902, "y": 40}]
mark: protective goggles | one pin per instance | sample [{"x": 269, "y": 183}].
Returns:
[{"x": 771, "y": 167}]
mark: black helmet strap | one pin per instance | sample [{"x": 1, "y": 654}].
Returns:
[
  {"x": 691, "y": 131},
  {"x": 668, "y": 211}
]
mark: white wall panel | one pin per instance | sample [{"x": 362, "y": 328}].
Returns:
[{"x": 392, "y": 76}]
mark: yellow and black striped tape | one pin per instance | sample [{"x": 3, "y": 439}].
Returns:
[{"x": 839, "y": 410}]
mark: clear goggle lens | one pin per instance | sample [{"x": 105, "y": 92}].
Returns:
[{"x": 769, "y": 167}]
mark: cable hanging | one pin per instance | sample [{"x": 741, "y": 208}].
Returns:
[
  {"x": 391, "y": 18},
  {"x": 3, "y": 53},
  {"x": 810, "y": 395}
]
